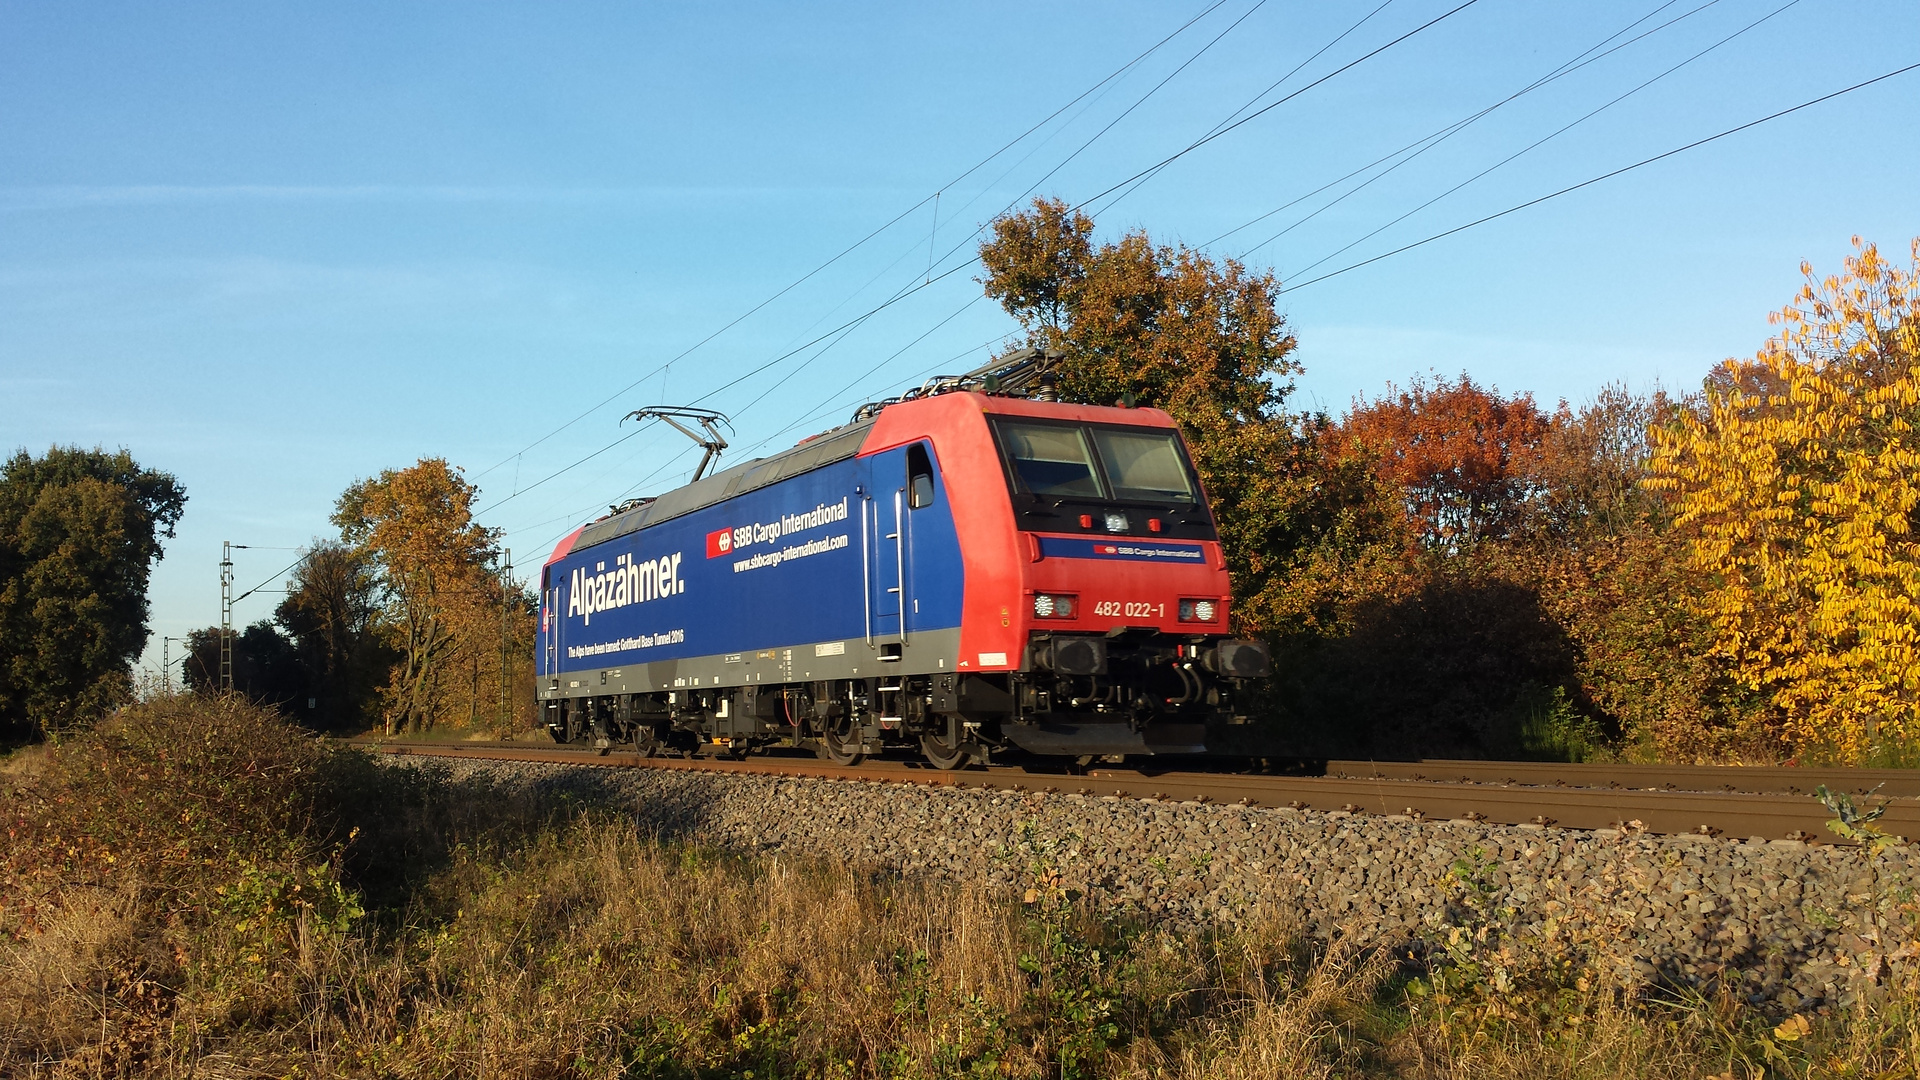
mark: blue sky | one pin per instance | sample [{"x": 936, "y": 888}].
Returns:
[{"x": 274, "y": 248}]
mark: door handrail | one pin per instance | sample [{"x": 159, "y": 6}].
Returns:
[
  {"x": 866, "y": 573},
  {"x": 900, "y": 560}
]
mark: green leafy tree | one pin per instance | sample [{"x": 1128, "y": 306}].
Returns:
[
  {"x": 266, "y": 668},
  {"x": 1202, "y": 339},
  {"x": 332, "y": 612},
  {"x": 80, "y": 531}
]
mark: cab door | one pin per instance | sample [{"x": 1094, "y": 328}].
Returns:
[{"x": 884, "y": 538}]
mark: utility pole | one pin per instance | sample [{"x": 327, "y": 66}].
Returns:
[
  {"x": 506, "y": 642},
  {"x": 166, "y": 661},
  {"x": 226, "y": 614}
]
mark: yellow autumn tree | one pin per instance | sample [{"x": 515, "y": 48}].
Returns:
[
  {"x": 449, "y": 618},
  {"x": 1798, "y": 474}
]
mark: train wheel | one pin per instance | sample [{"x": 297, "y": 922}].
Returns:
[
  {"x": 645, "y": 740},
  {"x": 946, "y": 752},
  {"x": 840, "y": 741}
]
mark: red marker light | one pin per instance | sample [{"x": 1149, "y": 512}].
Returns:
[
  {"x": 1086, "y": 521},
  {"x": 1153, "y": 524}
]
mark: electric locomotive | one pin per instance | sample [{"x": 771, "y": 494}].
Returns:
[{"x": 971, "y": 567}]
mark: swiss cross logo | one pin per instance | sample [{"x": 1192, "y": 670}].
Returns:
[{"x": 719, "y": 542}]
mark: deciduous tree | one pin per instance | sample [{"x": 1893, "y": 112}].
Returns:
[
  {"x": 417, "y": 525},
  {"x": 1462, "y": 455},
  {"x": 1800, "y": 474},
  {"x": 332, "y": 613},
  {"x": 80, "y": 531},
  {"x": 1201, "y": 338}
]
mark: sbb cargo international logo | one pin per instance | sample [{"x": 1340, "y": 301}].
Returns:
[{"x": 727, "y": 541}]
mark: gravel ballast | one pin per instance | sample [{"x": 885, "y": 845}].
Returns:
[{"x": 1783, "y": 923}]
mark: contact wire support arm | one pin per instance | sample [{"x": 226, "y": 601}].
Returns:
[{"x": 708, "y": 438}]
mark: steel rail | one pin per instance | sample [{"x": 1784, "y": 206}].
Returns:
[
  {"x": 1785, "y": 780},
  {"x": 1736, "y": 815}
]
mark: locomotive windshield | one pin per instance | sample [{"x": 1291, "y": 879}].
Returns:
[
  {"x": 1051, "y": 459},
  {"x": 1143, "y": 465},
  {"x": 1095, "y": 462}
]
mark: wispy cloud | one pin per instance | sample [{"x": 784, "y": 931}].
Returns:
[{"x": 64, "y": 197}]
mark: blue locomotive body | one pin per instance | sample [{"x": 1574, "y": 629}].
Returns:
[{"x": 769, "y": 585}]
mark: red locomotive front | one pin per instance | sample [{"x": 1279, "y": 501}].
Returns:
[{"x": 1096, "y": 596}]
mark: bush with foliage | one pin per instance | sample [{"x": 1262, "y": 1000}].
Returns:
[{"x": 197, "y": 886}]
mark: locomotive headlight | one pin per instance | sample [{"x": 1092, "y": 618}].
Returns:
[
  {"x": 1116, "y": 521},
  {"x": 1198, "y": 610},
  {"x": 1053, "y": 605}
]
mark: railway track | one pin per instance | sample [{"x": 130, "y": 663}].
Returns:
[
  {"x": 1737, "y": 803},
  {"x": 1716, "y": 779}
]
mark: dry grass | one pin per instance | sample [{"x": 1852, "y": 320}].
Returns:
[{"x": 463, "y": 932}]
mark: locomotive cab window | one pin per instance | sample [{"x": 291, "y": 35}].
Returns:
[
  {"x": 1051, "y": 460},
  {"x": 919, "y": 477},
  {"x": 1101, "y": 478},
  {"x": 1143, "y": 465}
]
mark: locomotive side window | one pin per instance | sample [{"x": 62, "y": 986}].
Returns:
[
  {"x": 1143, "y": 465},
  {"x": 1050, "y": 459},
  {"x": 919, "y": 477}
]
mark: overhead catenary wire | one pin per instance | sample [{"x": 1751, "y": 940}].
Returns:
[
  {"x": 1603, "y": 176},
  {"x": 1218, "y": 128},
  {"x": 271, "y": 578},
  {"x": 930, "y": 279},
  {"x": 1265, "y": 109},
  {"x": 928, "y": 332},
  {"x": 850, "y": 248},
  {"x": 1097, "y": 135},
  {"x": 1429, "y": 141},
  {"x": 827, "y": 403},
  {"x": 1142, "y": 100},
  {"x": 920, "y": 285},
  {"x": 1270, "y": 88},
  {"x": 1556, "y": 133}
]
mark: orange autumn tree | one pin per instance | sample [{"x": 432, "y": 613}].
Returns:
[
  {"x": 1799, "y": 474},
  {"x": 443, "y": 610},
  {"x": 1462, "y": 455}
]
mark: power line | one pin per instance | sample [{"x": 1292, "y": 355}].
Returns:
[
  {"x": 764, "y": 394},
  {"x": 1205, "y": 139},
  {"x": 916, "y": 287},
  {"x": 1543, "y": 139},
  {"x": 1435, "y": 138},
  {"x": 849, "y": 249},
  {"x": 1030, "y": 188},
  {"x": 1271, "y": 87},
  {"x": 1604, "y": 176},
  {"x": 827, "y": 402},
  {"x": 1064, "y": 162},
  {"x": 1095, "y": 137},
  {"x": 270, "y": 578},
  {"x": 495, "y": 505}
]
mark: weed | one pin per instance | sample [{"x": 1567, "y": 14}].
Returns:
[
  {"x": 474, "y": 929},
  {"x": 1850, "y": 822}
]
